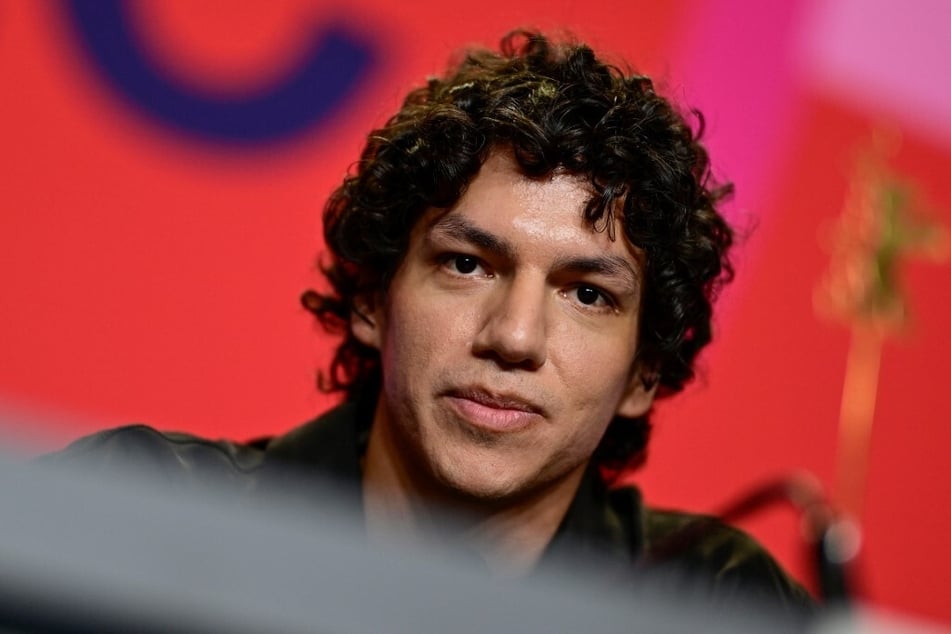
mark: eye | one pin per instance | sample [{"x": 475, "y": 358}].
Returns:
[
  {"x": 464, "y": 264},
  {"x": 592, "y": 296},
  {"x": 588, "y": 295}
]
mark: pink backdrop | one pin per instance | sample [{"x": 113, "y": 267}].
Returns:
[{"x": 150, "y": 271}]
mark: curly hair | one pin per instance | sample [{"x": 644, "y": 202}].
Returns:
[{"x": 554, "y": 106}]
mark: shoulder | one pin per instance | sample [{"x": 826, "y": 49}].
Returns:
[
  {"x": 725, "y": 562},
  {"x": 328, "y": 445},
  {"x": 169, "y": 456}
]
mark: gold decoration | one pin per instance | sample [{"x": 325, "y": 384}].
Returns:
[{"x": 882, "y": 224}]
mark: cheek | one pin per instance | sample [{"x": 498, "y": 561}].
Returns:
[
  {"x": 424, "y": 338},
  {"x": 593, "y": 368}
]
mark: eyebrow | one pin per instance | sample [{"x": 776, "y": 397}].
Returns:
[
  {"x": 609, "y": 265},
  {"x": 614, "y": 266},
  {"x": 460, "y": 229}
]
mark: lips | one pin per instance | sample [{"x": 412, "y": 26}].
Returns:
[{"x": 496, "y": 412}]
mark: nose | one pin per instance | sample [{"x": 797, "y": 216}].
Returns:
[{"x": 513, "y": 331}]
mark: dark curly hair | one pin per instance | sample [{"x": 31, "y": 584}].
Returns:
[{"x": 554, "y": 106}]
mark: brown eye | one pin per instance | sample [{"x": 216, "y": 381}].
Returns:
[
  {"x": 465, "y": 264},
  {"x": 588, "y": 295}
]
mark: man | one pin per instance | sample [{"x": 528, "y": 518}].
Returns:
[{"x": 523, "y": 259}]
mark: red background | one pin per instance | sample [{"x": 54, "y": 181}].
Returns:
[{"x": 151, "y": 276}]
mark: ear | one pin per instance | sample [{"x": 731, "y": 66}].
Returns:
[
  {"x": 640, "y": 392},
  {"x": 366, "y": 320}
]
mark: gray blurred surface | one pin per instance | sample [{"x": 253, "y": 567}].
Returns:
[{"x": 84, "y": 552}]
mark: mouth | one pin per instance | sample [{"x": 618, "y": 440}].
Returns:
[{"x": 495, "y": 412}]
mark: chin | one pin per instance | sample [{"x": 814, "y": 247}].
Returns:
[
  {"x": 488, "y": 487},
  {"x": 477, "y": 484}
]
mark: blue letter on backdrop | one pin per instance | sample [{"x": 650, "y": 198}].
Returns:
[{"x": 317, "y": 86}]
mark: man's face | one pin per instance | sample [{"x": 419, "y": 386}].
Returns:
[{"x": 507, "y": 338}]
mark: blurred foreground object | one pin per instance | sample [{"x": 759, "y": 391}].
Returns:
[{"x": 83, "y": 552}]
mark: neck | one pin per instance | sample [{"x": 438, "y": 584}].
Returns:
[{"x": 401, "y": 504}]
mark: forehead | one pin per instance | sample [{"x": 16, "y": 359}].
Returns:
[{"x": 544, "y": 215}]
